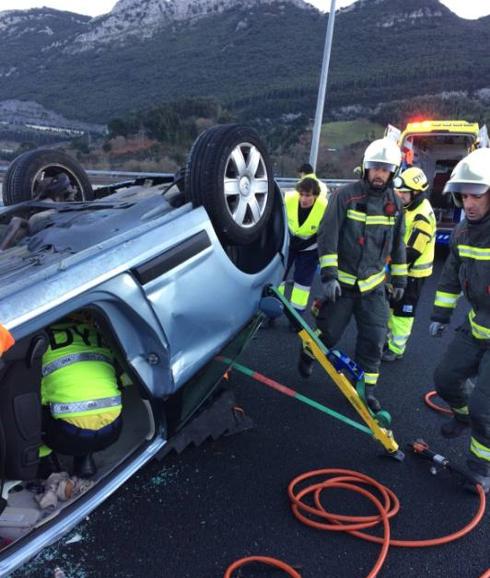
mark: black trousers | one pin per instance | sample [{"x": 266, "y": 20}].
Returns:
[
  {"x": 468, "y": 357},
  {"x": 371, "y": 313},
  {"x": 65, "y": 438}
]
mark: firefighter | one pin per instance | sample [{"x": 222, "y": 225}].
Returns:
[
  {"x": 79, "y": 394},
  {"x": 305, "y": 208},
  {"x": 420, "y": 239},
  {"x": 362, "y": 227},
  {"x": 305, "y": 171},
  {"x": 467, "y": 270}
]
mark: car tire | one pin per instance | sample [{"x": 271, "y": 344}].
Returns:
[
  {"x": 229, "y": 173},
  {"x": 27, "y": 171}
]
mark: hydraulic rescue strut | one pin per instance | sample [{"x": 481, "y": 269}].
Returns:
[{"x": 346, "y": 375}]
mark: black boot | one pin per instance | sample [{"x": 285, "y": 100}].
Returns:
[
  {"x": 48, "y": 465},
  {"x": 479, "y": 474},
  {"x": 305, "y": 364},
  {"x": 371, "y": 400},
  {"x": 84, "y": 466},
  {"x": 454, "y": 427}
]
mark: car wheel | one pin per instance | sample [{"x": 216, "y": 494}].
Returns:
[
  {"x": 29, "y": 173},
  {"x": 229, "y": 173}
]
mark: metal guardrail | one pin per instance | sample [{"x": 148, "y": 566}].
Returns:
[{"x": 283, "y": 182}]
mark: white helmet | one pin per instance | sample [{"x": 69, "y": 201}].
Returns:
[
  {"x": 471, "y": 176},
  {"x": 384, "y": 153}
]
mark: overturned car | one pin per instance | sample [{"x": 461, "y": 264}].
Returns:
[{"x": 170, "y": 272}]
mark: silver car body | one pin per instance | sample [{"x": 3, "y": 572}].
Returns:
[{"x": 160, "y": 276}]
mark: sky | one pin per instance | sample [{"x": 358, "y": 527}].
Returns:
[{"x": 463, "y": 8}]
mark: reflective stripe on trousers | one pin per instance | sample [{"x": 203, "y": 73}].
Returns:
[
  {"x": 400, "y": 329},
  {"x": 479, "y": 450},
  {"x": 371, "y": 378},
  {"x": 299, "y": 296}
]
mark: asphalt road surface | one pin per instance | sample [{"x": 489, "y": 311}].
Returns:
[{"x": 195, "y": 513}]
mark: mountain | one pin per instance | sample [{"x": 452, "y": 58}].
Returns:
[{"x": 258, "y": 57}]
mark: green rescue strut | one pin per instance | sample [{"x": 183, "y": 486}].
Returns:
[{"x": 255, "y": 375}]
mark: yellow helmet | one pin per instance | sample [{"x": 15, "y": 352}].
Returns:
[
  {"x": 411, "y": 180},
  {"x": 471, "y": 176}
]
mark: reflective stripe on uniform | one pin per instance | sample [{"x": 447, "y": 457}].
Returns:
[
  {"x": 380, "y": 220},
  {"x": 82, "y": 406},
  {"x": 364, "y": 284},
  {"x": 477, "y": 253},
  {"x": 447, "y": 300},
  {"x": 421, "y": 267},
  {"x": 44, "y": 451},
  {"x": 461, "y": 410},
  {"x": 478, "y": 331},
  {"x": 370, "y": 219},
  {"x": 347, "y": 278},
  {"x": 371, "y": 282},
  {"x": 398, "y": 269},
  {"x": 479, "y": 450},
  {"x": 400, "y": 330},
  {"x": 356, "y": 215},
  {"x": 371, "y": 378},
  {"x": 73, "y": 358},
  {"x": 330, "y": 260},
  {"x": 299, "y": 296}
]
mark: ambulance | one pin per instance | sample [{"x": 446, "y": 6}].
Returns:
[{"x": 436, "y": 146}]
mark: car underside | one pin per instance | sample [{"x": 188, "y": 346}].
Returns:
[{"x": 169, "y": 271}]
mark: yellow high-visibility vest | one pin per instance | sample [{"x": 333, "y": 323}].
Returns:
[
  {"x": 79, "y": 378},
  {"x": 312, "y": 222},
  {"x": 425, "y": 241}
]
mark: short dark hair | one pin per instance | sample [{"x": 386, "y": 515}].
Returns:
[
  {"x": 308, "y": 185},
  {"x": 305, "y": 168}
]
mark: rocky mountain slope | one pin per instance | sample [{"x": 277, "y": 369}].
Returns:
[{"x": 258, "y": 57}]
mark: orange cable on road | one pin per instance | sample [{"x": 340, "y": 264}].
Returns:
[
  {"x": 439, "y": 408},
  {"x": 313, "y": 514},
  {"x": 262, "y": 560}
]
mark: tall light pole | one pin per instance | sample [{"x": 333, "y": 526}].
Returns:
[{"x": 322, "y": 89}]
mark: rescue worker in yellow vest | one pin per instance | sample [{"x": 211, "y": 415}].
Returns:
[
  {"x": 420, "y": 240},
  {"x": 467, "y": 270},
  {"x": 305, "y": 208},
  {"x": 79, "y": 394},
  {"x": 305, "y": 171},
  {"x": 362, "y": 228}
]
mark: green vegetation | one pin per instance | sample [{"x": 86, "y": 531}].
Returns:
[
  {"x": 263, "y": 63},
  {"x": 336, "y": 135}
]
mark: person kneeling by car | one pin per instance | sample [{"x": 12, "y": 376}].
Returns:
[{"x": 79, "y": 394}]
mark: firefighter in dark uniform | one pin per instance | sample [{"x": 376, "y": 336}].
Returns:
[
  {"x": 420, "y": 240},
  {"x": 361, "y": 229},
  {"x": 467, "y": 270},
  {"x": 79, "y": 393},
  {"x": 305, "y": 209}
]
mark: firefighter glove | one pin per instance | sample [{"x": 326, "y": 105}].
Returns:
[
  {"x": 331, "y": 290},
  {"x": 397, "y": 294},
  {"x": 436, "y": 328}
]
